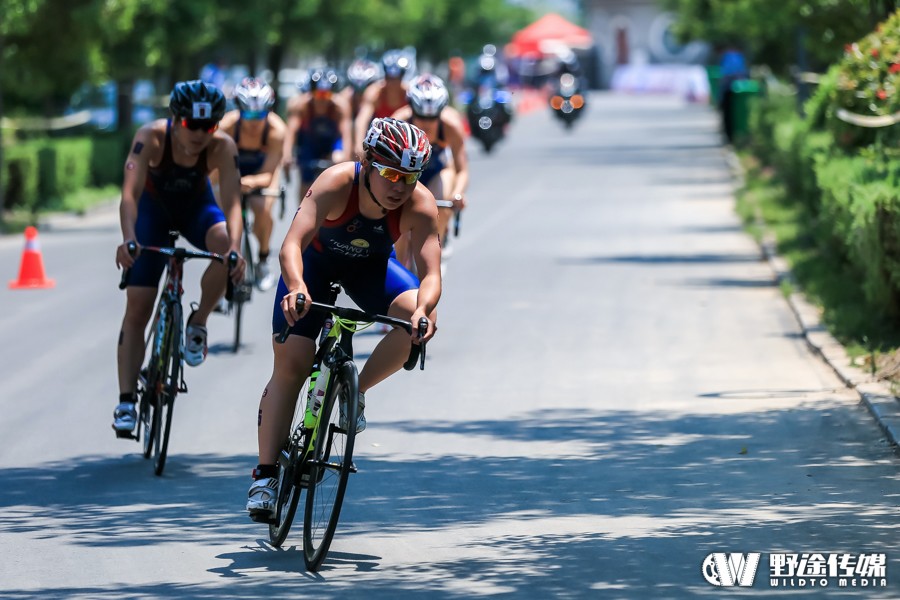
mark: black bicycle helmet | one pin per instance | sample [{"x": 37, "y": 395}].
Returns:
[
  {"x": 197, "y": 100},
  {"x": 323, "y": 79},
  {"x": 395, "y": 63}
]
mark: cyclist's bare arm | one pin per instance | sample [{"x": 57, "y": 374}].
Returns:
[
  {"x": 345, "y": 126},
  {"x": 146, "y": 148},
  {"x": 292, "y": 126},
  {"x": 404, "y": 113},
  {"x": 267, "y": 175},
  {"x": 366, "y": 112},
  {"x": 327, "y": 198},
  {"x": 422, "y": 220},
  {"x": 222, "y": 154},
  {"x": 453, "y": 131},
  {"x": 226, "y": 126}
]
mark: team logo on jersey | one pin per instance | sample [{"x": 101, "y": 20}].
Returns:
[{"x": 360, "y": 243}]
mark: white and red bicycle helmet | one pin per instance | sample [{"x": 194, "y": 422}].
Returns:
[
  {"x": 427, "y": 95},
  {"x": 397, "y": 144}
]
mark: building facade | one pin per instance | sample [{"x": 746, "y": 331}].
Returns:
[{"x": 635, "y": 32}]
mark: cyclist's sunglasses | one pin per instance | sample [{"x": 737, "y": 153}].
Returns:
[
  {"x": 254, "y": 115},
  {"x": 207, "y": 125},
  {"x": 393, "y": 175}
]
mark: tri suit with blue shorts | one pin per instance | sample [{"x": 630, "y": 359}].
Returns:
[
  {"x": 250, "y": 161},
  {"x": 436, "y": 164},
  {"x": 174, "y": 198},
  {"x": 317, "y": 138},
  {"x": 356, "y": 252}
]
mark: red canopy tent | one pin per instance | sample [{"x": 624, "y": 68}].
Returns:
[{"x": 547, "y": 33}]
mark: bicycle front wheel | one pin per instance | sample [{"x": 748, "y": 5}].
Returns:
[
  {"x": 165, "y": 400},
  {"x": 330, "y": 466}
]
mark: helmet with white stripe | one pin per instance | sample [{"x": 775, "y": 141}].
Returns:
[{"x": 397, "y": 144}]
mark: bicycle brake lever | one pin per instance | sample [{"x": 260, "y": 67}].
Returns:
[
  {"x": 285, "y": 331},
  {"x": 423, "y": 329},
  {"x": 132, "y": 249},
  {"x": 229, "y": 287}
]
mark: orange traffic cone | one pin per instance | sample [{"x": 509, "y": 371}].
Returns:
[{"x": 31, "y": 271}]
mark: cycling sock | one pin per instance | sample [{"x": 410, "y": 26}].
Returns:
[
  {"x": 263, "y": 257},
  {"x": 264, "y": 471},
  {"x": 127, "y": 398}
]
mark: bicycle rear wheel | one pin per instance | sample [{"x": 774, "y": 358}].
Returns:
[
  {"x": 288, "y": 495},
  {"x": 165, "y": 400},
  {"x": 330, "y": 466},
  {"x": 290, "y": 471}
]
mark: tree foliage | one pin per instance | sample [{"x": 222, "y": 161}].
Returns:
[
  {"x": 780, "y": 32},
  {"x": 51, "y": 47}
]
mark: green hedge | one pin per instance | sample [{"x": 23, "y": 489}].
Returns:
[
  {"x": 21, "y": 178},
  {"x": 39, "y": 174},
  {"x": 851, "y": 200},
  {"x": 65, "y": 166}
]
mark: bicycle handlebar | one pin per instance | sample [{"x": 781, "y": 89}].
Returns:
[
  {"x": 279, "y": 193},
  {"x": 178, "y": 252},
  {"x": 416, "y": 353},
  {"x": 456, "y": 213},
  {"x": 132, "y": 248}
]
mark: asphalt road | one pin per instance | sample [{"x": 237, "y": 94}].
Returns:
[{"x": 617, "y": 389}]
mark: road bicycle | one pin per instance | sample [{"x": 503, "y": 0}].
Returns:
[
  {"x": 244, "y": 290},
  {"x": 162, "y": 379},
  {"x": 318, "y": 454}
]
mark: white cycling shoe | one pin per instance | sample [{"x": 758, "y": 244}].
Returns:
[{"x": 263, "y": 497}]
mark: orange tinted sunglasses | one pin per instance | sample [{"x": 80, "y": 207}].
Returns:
[{"x": 393, "y": 175}]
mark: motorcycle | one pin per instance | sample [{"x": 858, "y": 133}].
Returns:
[
  {"x": 488, "y": 112},
  {"x": 567, "y": 100}
]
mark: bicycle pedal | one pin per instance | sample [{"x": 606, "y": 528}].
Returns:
[{"x": 125, "y": 435}]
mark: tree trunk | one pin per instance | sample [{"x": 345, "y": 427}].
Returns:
[
  {"x": 274, "y": 60},
  {"x": 124, "y": 104},
  {"x": 2, "y": 193}
]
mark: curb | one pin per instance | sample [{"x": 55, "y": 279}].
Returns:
[{"x": 874, "y": 393}]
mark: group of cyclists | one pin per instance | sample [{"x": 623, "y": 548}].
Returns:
[{"x": 372, "y": 159}]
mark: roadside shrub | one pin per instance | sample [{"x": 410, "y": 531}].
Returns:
[
  {"x": 21, "y": 175},
  {"x": 65, "y": 167}
]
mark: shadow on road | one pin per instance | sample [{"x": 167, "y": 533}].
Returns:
[{"x": 574, "y": 501}]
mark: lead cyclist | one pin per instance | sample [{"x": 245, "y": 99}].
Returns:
[{"x": 344, "y": 231}]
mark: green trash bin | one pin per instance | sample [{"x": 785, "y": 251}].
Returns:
[
  {"x": 743, "y": 92},
  {"x": 713, "y": 74}
]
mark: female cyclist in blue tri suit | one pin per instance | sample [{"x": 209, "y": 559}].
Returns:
[
  {"x": 344, "y": 231},
  {"x": 259, "y": 134},
  {"x": 428, "y": 109}
]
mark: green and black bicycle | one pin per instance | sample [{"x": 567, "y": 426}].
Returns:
[{"x": 318, "y": 454}]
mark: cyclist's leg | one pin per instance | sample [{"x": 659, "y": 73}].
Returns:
[
  {"x": 205, "y": 229},
  {"x": 262, "y": 222},
  {"x": 151, "y": 229},
  {"x": 262, "y": 229},
  {"x": 292, "y": 364},
  {"x": 390, "y": 290}
]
